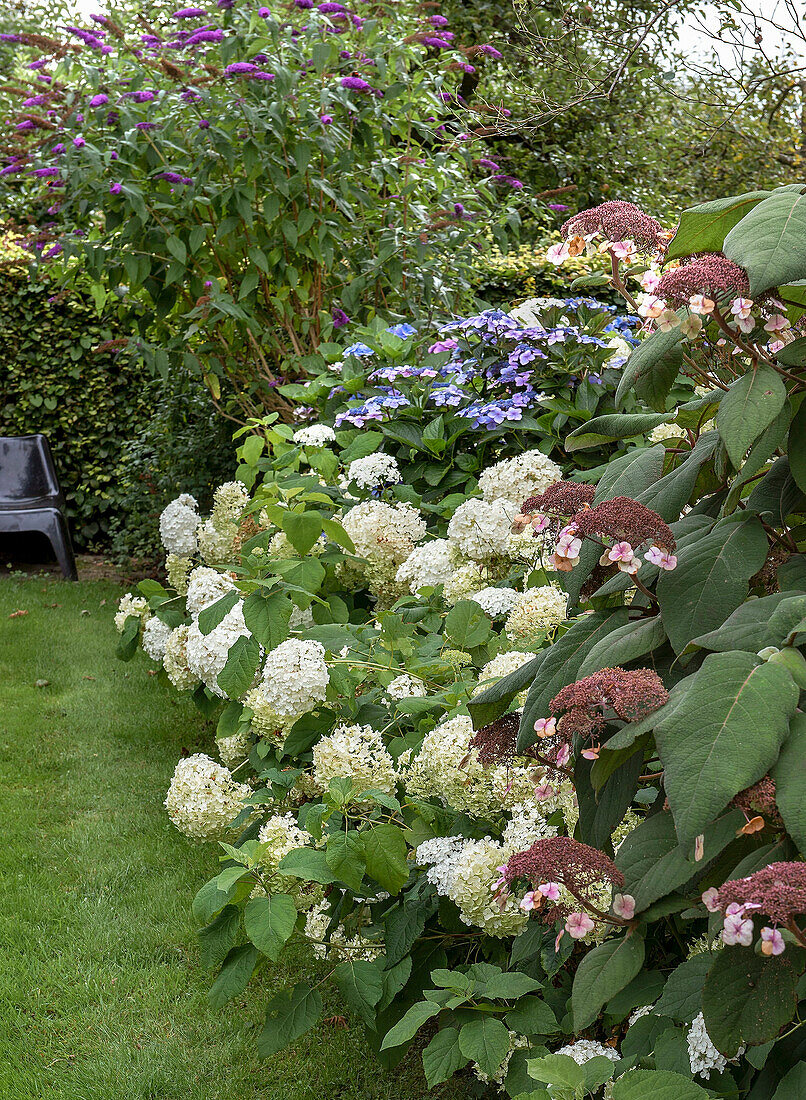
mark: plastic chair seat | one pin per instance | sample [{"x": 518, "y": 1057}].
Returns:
[{"x": 31, "y": 498}]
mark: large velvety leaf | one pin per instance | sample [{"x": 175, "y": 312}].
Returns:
[
  {"x": 216, "y": 939},
  {"x": 625, "y": 644},
  {"x": 793, "y": 1084},
  {"x": 532, "y": 1016},
  {"x": 345, "y": 858},
  {"x": 602, "y": 973},
  {"x": 723, "y": 735},
  {"x": 651, "y": 369},
  {"x": 267, "y": 617},
  {"x": 486, "y": 1041},
  {"x": 601, "y": 810},
  {"x": 238, "y": 673},
  {"x": 640, "y": 1084},
  {"x": 409, "y": 1024},
  {"x": 211, "y": 616},
  {"x": 682, "y": 995},
  {"x": 750, "y": 405},
  {"x": 747, "y": 998},
  {"x": 234, "y": 975},
  {"x": 361, "y": 985},
  {"x": 671, "y": 493},
  {"x": 631, "y": 474},
  {"x": 560, "y": 664},
  {"x": 711, "y": 579},
  {"x": 703, "y": 228},
  {"x": 790, "y": 782},
  {"x": 612, "y": 426},
  {"x": 288, "y": 1015},
  {"x": 442, "y": 1057},
  {"x": 796, "y": 448},
  {"x": 770, "y": 242},
  {"x": 747, "y": 628},
  {"x": 654, "y": 863},
  {"x": 269, "y": 922},
  {"x": 495, "y": 699}
]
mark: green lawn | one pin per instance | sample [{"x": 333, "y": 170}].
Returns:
[{"x": 101, "y": 993}]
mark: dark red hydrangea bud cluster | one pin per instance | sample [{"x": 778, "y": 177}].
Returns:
[
  {"x": 759, "y": 799},
  {"x": 583, "y": 871},
  {"x": 630, "y": 694},
  {"x": 624, "y": 519},
  {"x": 711, "y": 274},
  {"x": 777, "y": 890},
  {"x": 496, "y": 742},
  {"x": 563, "y": 498},
  {"x": 616, "y": 221}
]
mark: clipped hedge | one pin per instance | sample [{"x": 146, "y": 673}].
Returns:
[{"x": 86, "y": 403}]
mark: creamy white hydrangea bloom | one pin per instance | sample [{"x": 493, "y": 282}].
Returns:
[
  {"x": 314, "y": 435},
  {"x": 233, "y": 749},
  {"x": 404, "y": 687},
  {"x": 527, "y": 825},
  {"x": 517, "y": 478},
  {"x": 535, "y": 611},
  {"x": 384, "y": 532},
  {"x": 280, "y": 546},
  {"x": 294, "y": 680},
  {"x": 203, "y": 798},
  {"x": 479, "y": 529},
  {"x": 663, "y": 432},
  {"x": 338, "y": 945},
  {"x": 131, "y": 605},
  {"x": 205, "y": 586},
  {"x": 524, "y": 546},
  {"x": 229, "y": 501},
  {"x": 155, "y": 638},
  {"x": 465, "y": 580},
  {"x": 447, "y": 769},
  {"x": 178, "y": 524},
  {"x": 473, "y": 890},
  {"x": 372, "y": 471},
  {"x": 217, "y": 541},
  {"x": 516, "y": 1042},
  {"x": 495, "y": 601},
  {"x": 207, "y": 653},
  {"x": 281, "y": 834},
  {"x": 499, "y": 667},
  {"x": 584, "y": 1049},
  {"x": 702, "y": 1054},
  {"x": 427, "y": 566},
  {"x": 357, "y": 752},
  {"x": 178, "y": 569},
  {"x": 175, "y": 661},
  {"x": 440, "y": 855},
  {"x": 624, "y": 828}
]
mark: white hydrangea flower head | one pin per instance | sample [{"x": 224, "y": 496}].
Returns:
[
  {"x": 702, "y": 1054},
  {"x": 294, "y": 680},
  {"x": 638, "y": 1014},
  {"x": 405, "y": 687},
  {"x": 131, "y": 605},
  {"x": 473, "y": 890},
  {"x": 535, "y": 611},
  {"x": 175, "y": 661},
  {"x": 155, "y": 638},
  {"x": 207, "y": 653},
  {"x": 178, "y": 524},
  {"x": 229, "y": 501},
  {"x": 178, "y": 569},
  {"x": 663, "y": 432},
  {"x": 203, "y": 798},
  {"x": 495, "y": 601},
  {"x": 373, "y": 471},
  {"x": 624, "y": 828},
  {"x": 314, "y": 435},
  {"x": 515, "y": 479},
  {"x": 233, "y": 749},
  {"x": 584, "y": 1049},
  {"x": 217, "y": 542},
  {"x": 516, "y": 1042},
  {"x": 281, "y": 834},
  {"x": 441, "y": 856},
  {"x": 527, "y": 825},
  {"x": 357, "y": 752},
  {"x": 384, "y": 533},
  {"x": 479, "y": 529},
  {"x": 499, "y": 667},
  {"x": 205, "y": 586},
  {"x": 339, "y": 945},
  {"x": 426, "y": 566},
  {"x": 464, "y": 581},
  {"x": 524, "y": 546}
]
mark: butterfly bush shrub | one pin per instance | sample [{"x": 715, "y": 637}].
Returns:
[
  {"x": 530, "y": 781},
  {"x": 256, "y": 176}
]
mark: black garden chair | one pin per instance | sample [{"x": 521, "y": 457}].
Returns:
[{"x": 31, "y": 498}]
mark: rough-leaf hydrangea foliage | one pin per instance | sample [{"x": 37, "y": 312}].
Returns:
[
  {"x": 581, "y": 869},
  {"x": 711, "y": 274},
  {"x": 615, "y": 221}
]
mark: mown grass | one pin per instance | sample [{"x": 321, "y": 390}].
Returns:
[{"x": 101, "y": 993}]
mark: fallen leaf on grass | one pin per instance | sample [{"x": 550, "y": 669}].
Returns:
[
  {"x": 41, "y": 683},
  {"x": 17, "y": 614}
]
